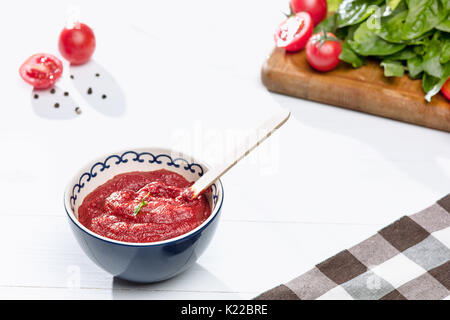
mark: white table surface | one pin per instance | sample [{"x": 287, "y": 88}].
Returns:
[{"x": 189, "y": 72}]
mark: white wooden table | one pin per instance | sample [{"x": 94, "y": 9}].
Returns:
[{"x": 189, "y": 72}]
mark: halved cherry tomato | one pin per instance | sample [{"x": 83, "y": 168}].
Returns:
[
  {"x": 77, "y": 44},
  {"x": 316, "y": 8},
  {"x": 446, "y": 89},
  {"x": 294, "y": 32},
  {"x": 322, "y": 51},
  {"x": 41, "y": 70}
]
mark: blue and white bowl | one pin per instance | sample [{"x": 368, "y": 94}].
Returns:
[{"x": 141, "y": 262}]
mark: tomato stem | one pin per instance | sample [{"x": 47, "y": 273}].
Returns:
[
  {"x": 324, "y": 37},
  {"x": 291, "y": 12}
]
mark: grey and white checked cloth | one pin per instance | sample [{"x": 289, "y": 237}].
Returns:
[{"x": 407, "y": 260}]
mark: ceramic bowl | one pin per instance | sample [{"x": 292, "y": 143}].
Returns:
[{"x": 141, "y": 262}]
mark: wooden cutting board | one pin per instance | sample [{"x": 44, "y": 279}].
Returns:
[{"x": 364, "y": 89}]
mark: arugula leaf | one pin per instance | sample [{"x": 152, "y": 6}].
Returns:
[
  {"x": 393, "y": 68},
  {"x": 392, "y": 26},
  {"x": 349, "y": 56},
  {"x": 419, "y": 50},
  {"x": 431, "y": 60},
  {"x": 405, "y": 54},
  {"x": 393, "y": 3},
  {"x": 444, "y": 25},
  {"x": 354, "y": 11},
  {"x": 423, "y": 39},
  {"x": 445, "y": 49},
  {"x": 415, "y": 67},
  {"x": 432, "y": 85},
  {"x": 327, "y": 25},
  {"x": 343, "y": 33},
  {"x": 366, "y": 43},
  {"x": 428, "y": 82},
  {"x": 423, "y": 15}
]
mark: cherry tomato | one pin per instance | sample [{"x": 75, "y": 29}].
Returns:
[
  {"x": 77, "y": 44},
  {"x": 41, "y": 70},
  {"x": 316, "y": 8},
  {"x": 294, "y": 32},
  {"x": 322, "y": 51},
  {"x": 446, "y": 89}
]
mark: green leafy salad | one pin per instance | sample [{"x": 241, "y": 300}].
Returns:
[{"x": 411, "y": 36}]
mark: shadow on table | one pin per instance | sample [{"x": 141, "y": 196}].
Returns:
[
  {"x": 393, "y": 145},
  {"x": 189, "y": 281},
  {"x": 98, "y": 88},
  {"x": 95, "y": 88}
]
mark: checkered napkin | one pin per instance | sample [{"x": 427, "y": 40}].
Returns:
[{"x": 407, "y": 260}]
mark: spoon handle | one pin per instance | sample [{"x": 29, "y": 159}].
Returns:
[{"x": 249, "y": 143}]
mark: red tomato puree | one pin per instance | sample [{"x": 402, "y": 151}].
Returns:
[{"x": 164, "y": 209}]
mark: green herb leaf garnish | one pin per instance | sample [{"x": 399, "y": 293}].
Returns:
[{"x": 141, "y": 204}]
